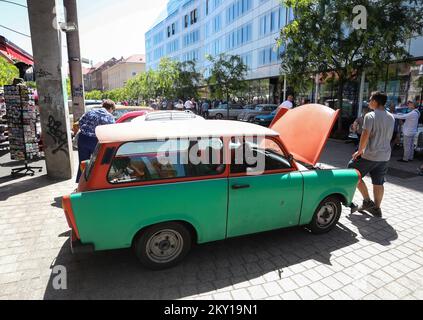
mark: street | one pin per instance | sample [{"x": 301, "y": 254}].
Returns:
[{"x": 362, "y": 258}]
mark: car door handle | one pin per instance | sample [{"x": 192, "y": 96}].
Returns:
[{"x": 240, "y": 186}]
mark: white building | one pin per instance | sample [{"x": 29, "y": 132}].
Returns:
[{"x": 117, "y": 75}]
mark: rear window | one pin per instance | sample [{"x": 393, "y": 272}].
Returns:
[{"x": 167, "y": 159}]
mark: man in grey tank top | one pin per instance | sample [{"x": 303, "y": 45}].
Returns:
[{"x": 374, "y": 152}]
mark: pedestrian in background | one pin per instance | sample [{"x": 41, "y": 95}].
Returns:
[
  {"x": 205, "y": 109},
  {"x": 396, "y": 135},
  {"x": 374, "y": 152},
  {"x": 409, "y": 130},
  {"x": 180, "y": 105},
  {"x": 87, "y": 140},
  {"x": 288, "y": 104},
  {"x": 188, "y": 104},
  {"x": 357, "y": 125}
]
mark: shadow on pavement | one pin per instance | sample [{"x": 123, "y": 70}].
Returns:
[
  {"x": 30, "y": 184},
  {"x": 117, "y": 274},
  {"x": 57, "y": 202},
  {"x": 374, "y": 229}
]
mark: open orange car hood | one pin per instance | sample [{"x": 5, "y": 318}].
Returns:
[{"x": 305, "y": 130}]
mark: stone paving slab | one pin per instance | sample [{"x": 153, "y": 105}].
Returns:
[{"x": 362, "y": 258}]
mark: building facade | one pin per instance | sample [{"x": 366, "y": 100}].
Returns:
[
  {"x": 117, "y": 75},
  {"x": 93, "y": 79},
  {"x": 193, "y": 29}
]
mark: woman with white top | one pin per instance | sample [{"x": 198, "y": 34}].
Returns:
[{"x": 409, "y": 130}]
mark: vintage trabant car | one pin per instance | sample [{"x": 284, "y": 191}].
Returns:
[{"x": 162, "y": 186}]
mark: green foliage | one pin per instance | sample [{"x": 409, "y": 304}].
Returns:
[
  {"x": 31, "y": 84},
  {"x": 188, "y": 80},
  {"x": 321, "y": 38},
  {"x": 227, "y": 75},
  {"x": 171, "y": 80},
  {"x": 93, "y": 95},
  {"x": 8, "y": 72}
]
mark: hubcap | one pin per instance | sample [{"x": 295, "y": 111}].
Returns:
[
  {"x": 326, "y": 215},
  {"x": 164, "y": 246}
]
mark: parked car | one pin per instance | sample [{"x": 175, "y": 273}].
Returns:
[
  {"x": 265, "y": 119},
  {"x": 121, "y": 110},
  {"x": 131, "y": 115},
  {"x": 168, "y": 115},
  {"x": 250, "y": 114},
  {"x": 142, "y": 188},
  {"x": 221, "y": 112},
  {"x": 347, "y": 106}
]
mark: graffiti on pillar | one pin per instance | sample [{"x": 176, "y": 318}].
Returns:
[
  {"x": 47, "y": 99},
  {"x": 41, "y": 73},
  {"x": 78, "y": 91},
  {"x": 59, "y": 136}
]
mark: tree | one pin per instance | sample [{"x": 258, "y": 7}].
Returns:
[
  {"x": 93, "y": 95},
  {"x": 322, "y": 37},
  {"x": 227, "y": 76},
  {"x": 167, "y": 77},
  {"x": 188, "y": 80},
  {"x": 8, "y": 72}
]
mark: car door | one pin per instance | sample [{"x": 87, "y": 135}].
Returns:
[
  {"x": 234, "y": 111},
  {"x": 262, "y": 200}
]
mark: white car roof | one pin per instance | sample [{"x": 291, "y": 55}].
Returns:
[
  {"x": 168, "y": 115},
  {"x": 153, "y": 130}
]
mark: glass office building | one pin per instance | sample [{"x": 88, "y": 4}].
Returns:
[{"x": 192, "y": 29}]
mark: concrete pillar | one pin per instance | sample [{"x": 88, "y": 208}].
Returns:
[
  {"x": 75, "y": 63},
  {"x": 46, "y": 40}
]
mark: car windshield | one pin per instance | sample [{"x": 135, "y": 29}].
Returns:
[{"x": 259, "y": 108}]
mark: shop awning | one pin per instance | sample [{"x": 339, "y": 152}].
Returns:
[{"x": 15, "y": 53}]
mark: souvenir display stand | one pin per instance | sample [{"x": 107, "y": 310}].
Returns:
[{"x": 22, "y": 127}]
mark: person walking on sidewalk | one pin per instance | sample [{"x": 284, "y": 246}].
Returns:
[
  {"x": 409, "y": 130},
  {"x": 374, "y": 152},
  {"x": 87, "y": 140}
]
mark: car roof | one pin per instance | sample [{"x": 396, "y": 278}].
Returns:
[
  {"x": 153, "y": 130},
  {"x": 169, "y": 115}
]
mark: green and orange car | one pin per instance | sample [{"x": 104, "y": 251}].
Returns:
[{"x": 162, "y": 186}]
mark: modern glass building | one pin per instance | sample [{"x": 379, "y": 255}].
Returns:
[{"x": 192, "y": 29}]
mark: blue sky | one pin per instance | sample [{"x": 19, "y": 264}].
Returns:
[{"x": 108, "y": 28}]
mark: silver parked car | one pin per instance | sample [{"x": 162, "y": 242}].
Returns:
[
  {"x": 250, "y": 114},
  {"x": 221, "y": 112}
]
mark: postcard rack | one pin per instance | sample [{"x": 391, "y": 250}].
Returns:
[{"x": 22, "y": 126}]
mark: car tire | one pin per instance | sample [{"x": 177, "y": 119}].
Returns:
[
  {"x": 326, "y": 215},
  {"x": 163, "y": 245},
  {"x": 219, "y": 116},
  {"x": 251, "y": 120}
]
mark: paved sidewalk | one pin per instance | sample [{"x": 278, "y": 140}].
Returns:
[{"x": 363, "y": 258}]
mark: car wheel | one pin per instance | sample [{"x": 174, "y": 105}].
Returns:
[
  {"x": 326, "y": 215},
  {"x": 163, "y": 245},
  {"x": 251, "y": 120},
  {"x": 219, "y": 116}
]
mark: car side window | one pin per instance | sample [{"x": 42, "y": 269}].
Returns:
[
  {"x": 170, "y": 159},
  {"x": 255, "y": 155}
]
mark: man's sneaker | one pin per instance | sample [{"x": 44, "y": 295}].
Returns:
[
  {"x": 402, "y": 160},
  {"x": 376, "y": 212},
  {"x": 353, "y": 207},
  {"x": 367, "y": 205}
]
